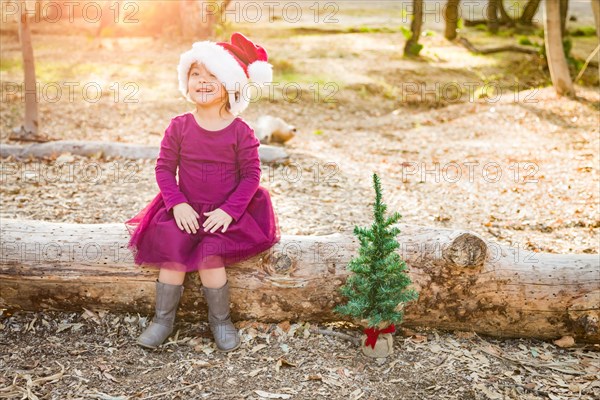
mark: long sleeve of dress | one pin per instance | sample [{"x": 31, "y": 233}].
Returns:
[
  {"x": 248, "y": 162},
  {"x": 166, "y": 166}
]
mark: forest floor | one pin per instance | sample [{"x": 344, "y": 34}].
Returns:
[{"x": 520, "y": 169}]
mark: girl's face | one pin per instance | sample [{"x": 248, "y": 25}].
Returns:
[{"x": 204, "y": 87}]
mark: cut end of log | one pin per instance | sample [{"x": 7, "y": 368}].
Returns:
[{"x": 466, "y": 251}]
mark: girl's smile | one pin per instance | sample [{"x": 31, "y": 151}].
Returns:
[{"x": 204, "y": 87}]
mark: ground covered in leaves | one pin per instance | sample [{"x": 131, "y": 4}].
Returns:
[
  {"x": 92, "y": 355},
  {"x": 520, "y": 169}
]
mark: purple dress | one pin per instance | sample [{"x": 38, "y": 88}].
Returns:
[{"x": 217, "y": 169}]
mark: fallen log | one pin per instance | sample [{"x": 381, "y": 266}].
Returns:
[
  {"x": 471, "y": 47},
  {"x": 267, "y": 153},
  {"x": 464, "y": 281}
]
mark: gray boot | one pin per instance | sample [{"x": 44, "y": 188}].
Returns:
[
  {"x": 225, "y": 334},
  {"x": 167, "y": 300}
]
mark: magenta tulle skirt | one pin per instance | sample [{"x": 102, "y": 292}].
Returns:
[{"x": 156, "y": 240}]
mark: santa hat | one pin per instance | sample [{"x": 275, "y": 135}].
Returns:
[{"x": 234, "y": 64}]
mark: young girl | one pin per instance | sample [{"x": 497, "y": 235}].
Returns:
[{"x": 216, "y": 215}]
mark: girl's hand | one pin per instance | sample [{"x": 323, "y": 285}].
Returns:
[
  {"x": 186, "y": 217},
  {"x": 217, "y": 218}
]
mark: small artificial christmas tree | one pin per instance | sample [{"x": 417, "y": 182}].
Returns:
[{"x": 378, "y": 289}]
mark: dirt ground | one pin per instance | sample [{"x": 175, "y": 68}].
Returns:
[
  {"x": 94, "y": 356},
  {"x": 520, "y": 169}
]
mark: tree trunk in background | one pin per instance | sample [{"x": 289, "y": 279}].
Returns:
[
  {"x": 38, "y": 11},
  {"x": 412, "y": 47},
  {"x": 212, "y": 11},
  {"x": 529, "y": 12},
  {"x": 31, "y": 123},
  {"x": 596, "y": 11},
  {"x": 492, "y": 16},
  {"x": 464, "y": 282},
  {"x": 564, "y": 8},
  {"x": 451, "y": 17},
  {"x": 209, "y": 17},
  {"x": 199, "y": 19},
  {"x": 56, "y": 11},
  {"x": 555, "y": 55},
  {"x": 504, "y": 17},
  {"x": 189, "y": 14},
  {"x": 107, "y": 18}
]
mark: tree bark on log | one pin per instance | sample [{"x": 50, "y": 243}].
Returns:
[
  {"x": 464, "y": 281},
  {"x": 267, "y": 153}
]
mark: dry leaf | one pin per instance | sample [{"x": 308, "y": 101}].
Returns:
[
  {"x": 268, "y": 395},
  {"x": 109, "y": 376},
  {"x": 435, "y": 348},
  {"x": 493, "y": 350},
  {"x": 62, "y": 327},
  {"x": 465, "y": 334},
  {"x": 332, "y": 381},
  {"x": 201, "y": 363},
  {"x": 206, "y": 349},
  {"x": 491, "y": 394},
  {"x": 357, "y": 394},
  {"x": 195, "y": 342},
  {"x": 258, "y": 347},
  {"x": 285, "y": 363},
  {"x": 419, "y": 338},
  {"x": 255, "y": 372},
  {"x": 285, "y": 325}
]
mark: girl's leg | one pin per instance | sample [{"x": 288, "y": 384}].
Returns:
[
  {"x": 213, "y": 277},
  {"x": 171, "y": 277}
]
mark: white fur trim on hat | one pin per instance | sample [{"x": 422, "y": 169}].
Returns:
[
  {"x": 260, "y": 72},
  {"x": 223, "y": 65}
]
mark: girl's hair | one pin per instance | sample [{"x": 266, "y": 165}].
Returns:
[{"x": 226, "y": 103}]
